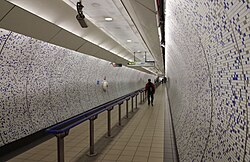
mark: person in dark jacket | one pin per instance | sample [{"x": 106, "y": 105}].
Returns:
[{"x": 150, "y": 90}]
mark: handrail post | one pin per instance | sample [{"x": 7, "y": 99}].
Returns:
[
  {"x": 143, "y": 99},
  {"x": 119, "y": 114},
  {"x": 140, "y": 97},
  {"x": 136, "y": 101},
  {"x": 60, "y": 146},
  {"x": 109, "y": 122},
  {"x": 132, "y": 103},
  {"x": 127, "y": 108},
  {"x": 92, "y": 136},
  {"x": 91, "y": 116}
]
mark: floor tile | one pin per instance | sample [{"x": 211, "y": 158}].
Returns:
[
  {"x": 143, "y": 138},
  {"x": 140, "y": 159},
  {"x": 125, "y": 158}
]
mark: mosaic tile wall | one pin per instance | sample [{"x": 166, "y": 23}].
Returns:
[
  {"x": 208, "y": 44},
  {"x": 42, "y": 84}
]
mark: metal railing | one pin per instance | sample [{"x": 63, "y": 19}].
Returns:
[{"x": 61, "y": 130}]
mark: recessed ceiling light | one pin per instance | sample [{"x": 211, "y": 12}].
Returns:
[
  {"x": 95, "y": 4},
  {"x": 129, "y": 40},
  {"x": 138, "y": 51},
  {"x": 108, "y": 18}
]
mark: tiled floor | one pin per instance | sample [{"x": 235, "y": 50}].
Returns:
[{"x": 146, "y": 136}]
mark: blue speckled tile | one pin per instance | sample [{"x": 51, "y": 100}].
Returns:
[
  {"x": 208, "y": 66},
  {"x": 42, "y": 84}
]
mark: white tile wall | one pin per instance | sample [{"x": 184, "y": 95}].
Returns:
[
  {"x": 42, "y": 84},
  {"x": 208, "y": 65}
]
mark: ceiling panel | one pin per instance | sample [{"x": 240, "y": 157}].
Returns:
[
  {"x": 145, "y": 21},
  {"x": 149, "y": 4},
  {"x": 109, "y": 44},
  {"x": 54, "y": 11},
  {"x": 106, "y": 55},
  {"x": 95, "y": 5},
  {"x": 5, "y": 8},
  {"x": 23, "y": 22},
  {"x": 96, "y": 36},
  {"x": 89, "y": 48},
  {"x": 120, "y": 60},
  {"x": 68, "y": 40},
  {"x": 147, "y": 17},
  {"x": 123, "y": 52},
  {"x": 118, "y": 49}
]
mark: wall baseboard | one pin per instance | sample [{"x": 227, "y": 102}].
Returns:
[{"x": 17, "y": 147}]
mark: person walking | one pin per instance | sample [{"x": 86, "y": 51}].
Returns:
[{"x": 150, "y": 90}]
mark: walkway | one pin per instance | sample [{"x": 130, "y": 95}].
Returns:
[{"x": 145, "y": 137}]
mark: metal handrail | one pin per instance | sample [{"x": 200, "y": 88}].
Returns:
[
  {"x": 88, "y": 114},
  {"x": 61, "y": 130}
]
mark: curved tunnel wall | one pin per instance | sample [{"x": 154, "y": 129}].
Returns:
[
  {"x": 42, "y": 84},
  {"x": 207, "y": 56}
]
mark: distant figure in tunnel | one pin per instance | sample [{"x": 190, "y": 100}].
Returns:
[{"x": 150, "y": 90}]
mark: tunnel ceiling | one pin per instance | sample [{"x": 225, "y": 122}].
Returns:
[{"x": 106, "y": 37}]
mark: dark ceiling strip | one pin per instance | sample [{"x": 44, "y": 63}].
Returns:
[
  {"x": 7, "y": 13},
  {"x": 60, "y": 29},
  {"x": 81, "y": 45}
]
